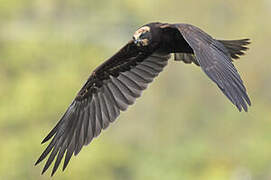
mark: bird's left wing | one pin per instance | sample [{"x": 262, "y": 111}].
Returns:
[
  {"x": 112, "y": 86},
  {"x": 215, "y": 61}
]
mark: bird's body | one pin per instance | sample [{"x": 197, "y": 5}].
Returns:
[{"x": 115, "y": 84}]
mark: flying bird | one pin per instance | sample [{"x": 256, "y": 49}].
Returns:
[{"x": 116, "y": 83}]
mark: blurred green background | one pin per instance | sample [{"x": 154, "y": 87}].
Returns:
[{"x": 183, "y": 127}]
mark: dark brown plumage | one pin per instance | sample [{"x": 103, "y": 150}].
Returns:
[{"x": 116, "y": 83}]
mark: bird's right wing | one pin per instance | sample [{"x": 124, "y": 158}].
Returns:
[
  {"x": 215, "y": 61},
  {"x": 110, "y": 89}
]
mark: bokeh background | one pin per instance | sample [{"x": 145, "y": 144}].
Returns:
[{"x": 182, "y": 127}]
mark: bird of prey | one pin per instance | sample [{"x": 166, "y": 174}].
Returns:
[{"x": 116, "y": 83}]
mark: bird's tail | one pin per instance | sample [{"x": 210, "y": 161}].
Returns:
[{"x": 236, "y": 48}]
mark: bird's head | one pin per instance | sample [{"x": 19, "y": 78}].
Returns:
[{"x": 142, "y": 36}]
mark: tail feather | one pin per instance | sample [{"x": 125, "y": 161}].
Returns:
[{"x": 236, "y": 48}]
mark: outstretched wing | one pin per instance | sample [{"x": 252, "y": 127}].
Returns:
[
  {"x": 113, "y": 86},
  {"x": 215, "y": 61}
]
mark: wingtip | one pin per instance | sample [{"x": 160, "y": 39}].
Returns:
[
  {"x": 246, "y": 41},
  {"x": 248, "y": 102},
  {"x": 64, "y": 166},
  {"x": 66, "y": 162},
  {"x": 43, "y": 171},
  {"x": 53, "y": 172},
  {"x": 245, "y": 108},
  {"x": 38, "y": 161},
  {"x": 239, "y": 107},
  {"x": 45, "y": 140}
]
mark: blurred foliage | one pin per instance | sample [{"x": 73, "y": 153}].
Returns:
[{"x": 182, "y": 128}]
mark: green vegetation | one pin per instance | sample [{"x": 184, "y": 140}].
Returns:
[{"x": 182, "y": 128}]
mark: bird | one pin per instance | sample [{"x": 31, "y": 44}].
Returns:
[{"x": 117, "y": 82}]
